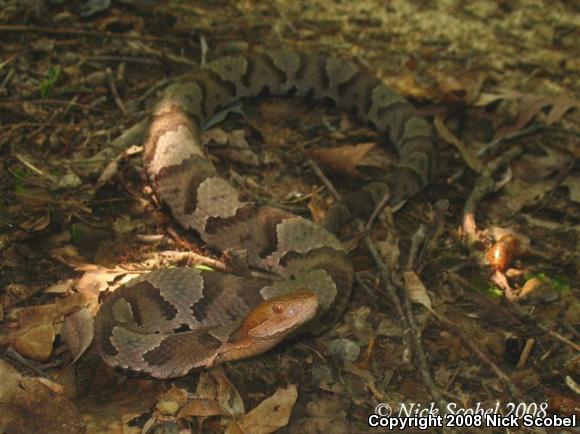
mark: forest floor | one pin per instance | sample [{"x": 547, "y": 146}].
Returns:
[{"x": 471, "y": 297}]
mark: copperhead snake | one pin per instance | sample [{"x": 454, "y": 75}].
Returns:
[{"x": 170, "y": 322}]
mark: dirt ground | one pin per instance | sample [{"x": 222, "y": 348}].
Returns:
[{"x": 465, "y": 298}]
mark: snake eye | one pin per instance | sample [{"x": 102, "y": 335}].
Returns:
[{"x": 277, "y": 309}]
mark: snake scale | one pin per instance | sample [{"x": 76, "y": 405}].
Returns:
[{"x": 170, "y": 322}]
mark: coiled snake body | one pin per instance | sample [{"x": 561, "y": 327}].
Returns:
[{"x": 169, "y": 322}]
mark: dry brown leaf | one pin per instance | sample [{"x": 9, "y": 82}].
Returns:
[
  {"x": 573, "y": 184},
  {"x": 325, "y": 415},
  {"x": 317, "y": 207},
  {"x": 317, "y": 425},
  {"x": 124, "y": 402},
  {"x": 36, "y": 315},
  {"x": 468, "y": 156},
  {"x": 62, "y": 287},
  {"x": 68, "y": 255},
  {"x": 171, "y": 401},
  {"x": 232, "y": 145},
  {"x": 528, "y": 107},
  {"x": 465, "y": 86},
  {"x": 408, "y": 85},
  {"x": 369, "y": 380},
  {"x": 269, "y": 416},
  {"x": 15, "y": 293},
  {"x": 200, "y": 407},
  {"x": 342, "y": 158},
  {"x": 520, "y": 193},
  {"x": 416, "y": 289},
  {"x": 35, "y": 343},
  {"x": 77, "y": 332},
  {"x": 390, "y": 251},
  {"x": 533, "y": 177},
  {"x": 486, "y": 98},
  {"x": 216, "y": 387},
  {"x": 31, "y": 329},
  {"x": 531, "y": 105},
  {"x": 28, "y": 405},
  {"x": 94, "y": 282}
]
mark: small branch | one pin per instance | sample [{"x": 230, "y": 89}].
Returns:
[
  {"x": 421, "y": 356},
  {"x": 76, "y": 32},
  {"x": 11, "y": 352},
  {"x": 320, "y": 174},
  {"x": 391, "y": 293},
  {"x": 416, "y": 241},
  {"x": 558, "y": 336},
  {"x": 380, "y": 206},
  {"x": 434, "y": 233},
  {"x": 525, "y": 354},
  {"x": 532, "y": 129},
  {"x": 456, "y": 330},
  {"x": 49, "y": 101},
  {"x": 114, "y": 91}
]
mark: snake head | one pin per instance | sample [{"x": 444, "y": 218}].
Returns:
[{"x": 277, "y": 317}]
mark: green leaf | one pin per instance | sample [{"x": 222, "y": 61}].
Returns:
[
  {"x": 47, "y": 84},
  {"x": 203, "y": 267}
]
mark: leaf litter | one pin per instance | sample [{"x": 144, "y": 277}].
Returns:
[{"x": 488, "y": 91}]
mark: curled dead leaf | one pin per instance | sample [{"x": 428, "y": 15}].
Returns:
[
  {"x": 464, "y": 86},
  {"x": 29, "y": 404},
  {"x": 35, "y": 343},
  {"x": 77, "y": 332},
  {"x": 416, "y": 290},
  {"x": 214, "y": 386},
  {"x": 171, "y": 401},
  {"x": 342, "y": 158},
  {"x": 269, "y": 416},
  {"x": 467, "y": 154},
  {"x": 201, "y": 407}
]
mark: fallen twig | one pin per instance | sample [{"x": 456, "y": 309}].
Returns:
[
  {"x": 475, "y": 349},
  {"x": 532, "y": 129},
  {"x": 77, "y": 32},
  {"x": 320, "y": 174},
  {"x": 391, "y": 295},
  {"x": 115, "y": 92}
]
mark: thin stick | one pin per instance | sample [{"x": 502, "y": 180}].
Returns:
[
  {"x": 320, "y": 174},
  {"x": 376, "y": 211},
  {"x": 525, "y": 354},
  {"x": 76, "y": 32},
  {"x": 532, "y": 129},
  {"x": 421, "y": 356},
  {"x": 114, "y": 91},
  {"x": 416, "y": 240},
  {"x": 391, "y": 293},
  {"x": 11, "y": 352},
  {"x": 68, "y": 103},
  {"x": 558, "y": 336},
  {"x": 456, "y": 330}
]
